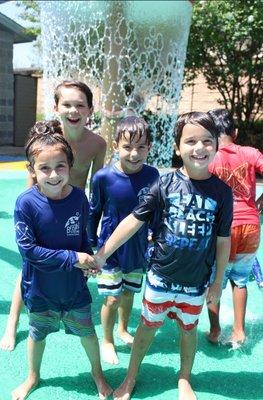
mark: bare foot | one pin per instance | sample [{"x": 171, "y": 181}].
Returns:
[
  {"x": 125, "y": 390},
  {"x": 213, "y": 336},
  {"x": 238, "y": 337},
  {"x": 22, "y": 391},
  {"x": 126, "y": 337},
  {"x": 236, "y": 340},
  {"x": 8, "y": 340},
  {"x": 104, "y": 390},
  {"x": 185, "y": 390},
  {"x": 108, "y": 353}
]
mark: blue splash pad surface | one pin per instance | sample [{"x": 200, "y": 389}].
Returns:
[
  {"x": 218, "y": 374},
  {"x": 6, "y": 158}
]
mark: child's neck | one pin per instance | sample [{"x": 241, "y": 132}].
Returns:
[
  {"x": 197, "y": 175},
  {"x": 67, "y": 189},
  {"x": 73, "y": 136},
  {"x": 119, "y": 166}
]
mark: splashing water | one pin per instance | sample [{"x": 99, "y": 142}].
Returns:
[{"x": 130, "y": 53}]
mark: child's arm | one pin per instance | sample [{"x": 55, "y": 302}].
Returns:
[
  {"x": 223, "y": 245},
  {"x": 124, "y": 231},
  {"x": 42, "y": 258},
  {"x": 98, "y": 161},
  {"x": 96, "y": 208},
  {"x": 85, "y": 260}
]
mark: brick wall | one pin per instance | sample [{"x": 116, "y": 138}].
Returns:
[
  {"x": 198, "y": 97},
  {"x": 6, "y": 88}
]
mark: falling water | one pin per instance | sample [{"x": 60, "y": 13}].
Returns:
[{"x": 130, "y": 53}]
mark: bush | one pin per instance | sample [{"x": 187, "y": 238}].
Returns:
[{"x": 251, "y": 135}]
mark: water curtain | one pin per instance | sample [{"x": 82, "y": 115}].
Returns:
[{"x": 130, "y": 53}]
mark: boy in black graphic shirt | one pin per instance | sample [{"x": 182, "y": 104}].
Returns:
[{"x": 193, "y": 210}]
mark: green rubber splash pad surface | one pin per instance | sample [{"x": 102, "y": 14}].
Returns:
[{"x": 218, "y": 373}]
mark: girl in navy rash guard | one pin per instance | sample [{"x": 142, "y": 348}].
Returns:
[{"x": 50, "y": 225}]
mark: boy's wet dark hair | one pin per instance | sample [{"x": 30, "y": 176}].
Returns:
[
  {"x": 195, "y": 118},
  {"x": 81, "y": 86},
  {"x": 223, "y": 121},
  {"x": 135, "y": 126},
  {"x": 46, "y": 133}
]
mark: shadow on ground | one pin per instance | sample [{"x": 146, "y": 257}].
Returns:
[
  {"x": 11, "y": 257},
  {"x": 236, "y": 385}
]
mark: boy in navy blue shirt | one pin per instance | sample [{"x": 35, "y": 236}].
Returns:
[
  {"x": 116, "y": 191},
  {"x": 194, "y": 211}
]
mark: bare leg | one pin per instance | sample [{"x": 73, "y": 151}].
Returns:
[
  {"x": 124, "y": 311},
  {"x": 142, "y": 341},
  {"x": 108, "y": 318},
  {"x": 215, "y": 329},
  {"x": 91, "y": 347},
  {"x": 188, "y": 343},
  {"x": 35, "y": 354},
  {"x": 240, "y": 303},
  {"x": 9, "y": 338}
]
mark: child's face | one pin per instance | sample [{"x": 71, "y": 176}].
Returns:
[
  {"x": 73, "y": 109},
  {"x": 51, "y": 172},
  {"x": 132, "y": 154},
  {"x": 197, "y": 149}
]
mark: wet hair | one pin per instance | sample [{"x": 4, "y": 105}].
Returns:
[
  {"x": 81, "y": 86},
  {"x": 135, "y": 126},
  {"x": 195, "y": 118},
  {"x": 223, "y": 121},
  {"x": 46, "y": 133}
]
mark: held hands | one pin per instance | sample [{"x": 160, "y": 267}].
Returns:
[
  {"x": 99, "y": 261},
  {"x": 88, "y": 265},
  {"x": 214, "y": 293}
]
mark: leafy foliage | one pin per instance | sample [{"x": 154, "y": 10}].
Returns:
[
  {"x": 225, "y": 45},
  {"x": 31, "y": 14}
]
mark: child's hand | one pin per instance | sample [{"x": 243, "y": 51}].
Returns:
[
  {"x": 91, "y": 273},
  {"x": 214, "y": 293},
  {"x": 86, "y": 262}
]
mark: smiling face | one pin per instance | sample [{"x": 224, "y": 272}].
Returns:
[
  {"x": 197, "y": 149},
  {"x": 73, "y": 109},
  {"x": 51, "y": 172},
  {"x": 133, "y": 153}
]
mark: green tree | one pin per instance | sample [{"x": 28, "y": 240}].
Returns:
[
  {"x": 31, "y": 14},
  {"x": 225, "y": 45}
]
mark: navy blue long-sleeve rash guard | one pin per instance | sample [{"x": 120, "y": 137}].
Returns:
[
  {"x": 48, "y": 235},
  {"x": 114, "y": 195}
]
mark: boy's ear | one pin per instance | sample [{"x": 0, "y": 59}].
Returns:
[
  {"x": 31, "y": 170},
  {"x": 115, "y": 145},
  {"x": 91, "y": 110}
]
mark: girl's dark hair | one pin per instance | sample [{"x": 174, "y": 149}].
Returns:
[
  {"x": 134, "y": 126},
  {"x": 81, "y": 86},
  {"x": 195, "y": 118},
  {"x": 223, "y": 121},
  {"x": 46, "y": 133}
]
